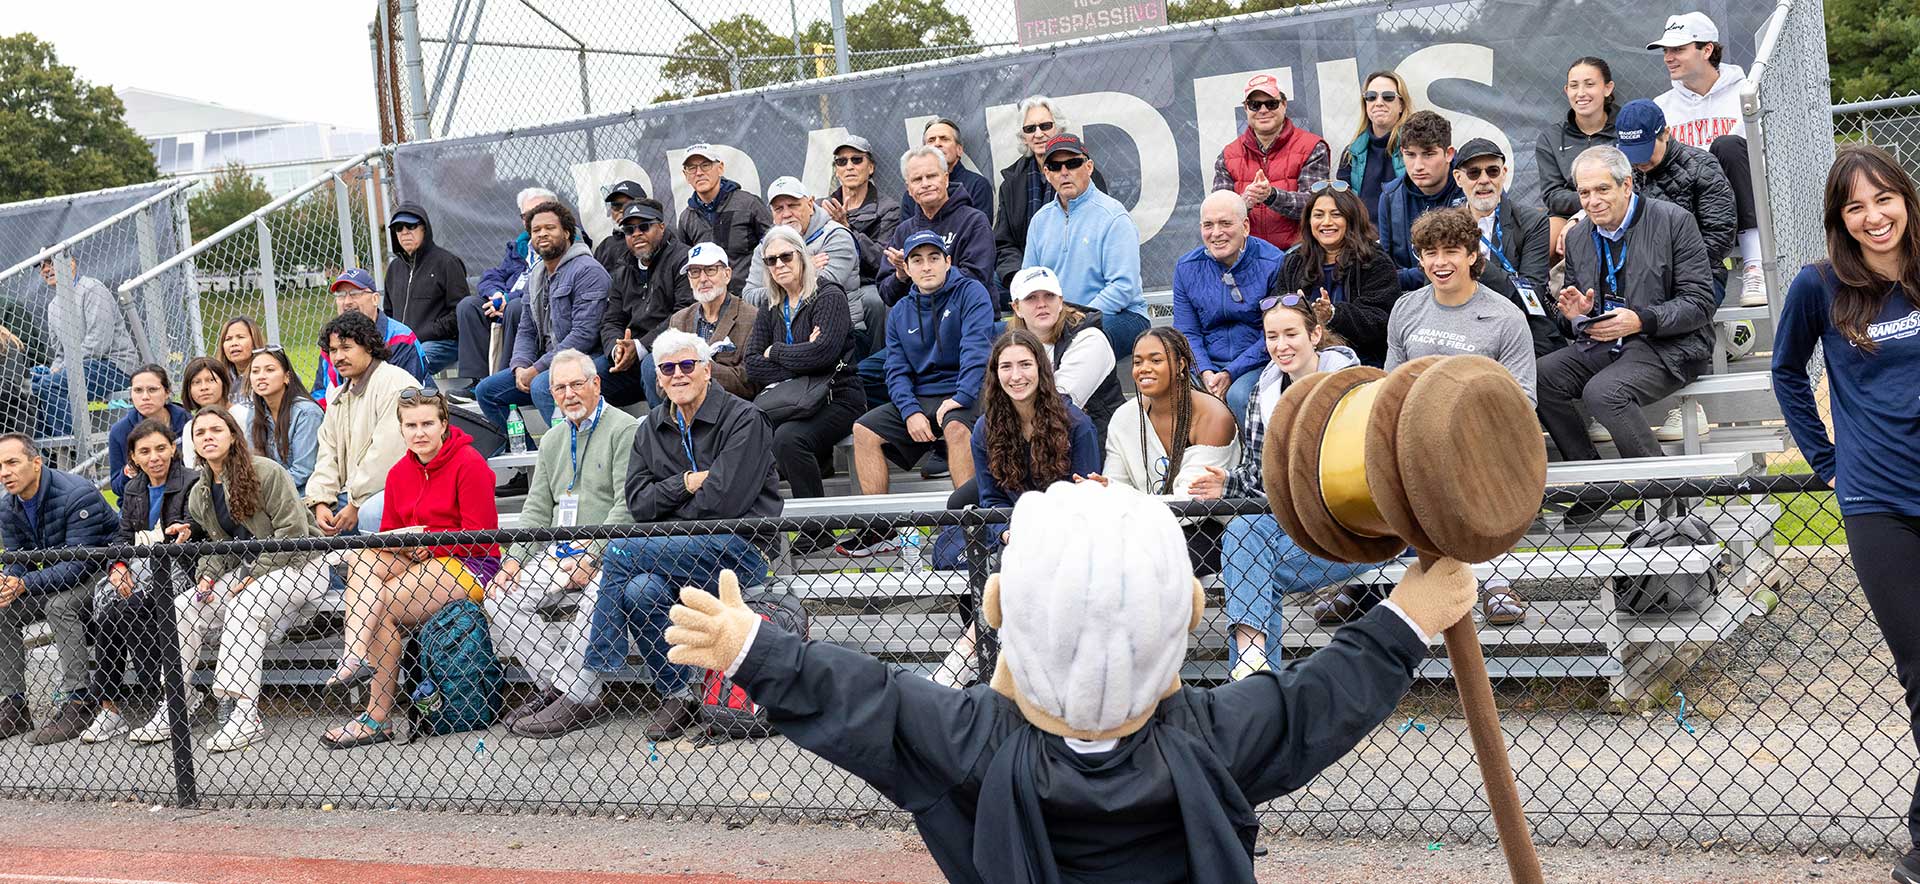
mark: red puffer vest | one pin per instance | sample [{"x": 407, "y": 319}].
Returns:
[{"x": 1282, "y": 163}]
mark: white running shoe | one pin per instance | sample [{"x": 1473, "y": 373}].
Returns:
[
  {"x": 160, "y": 728},
  {"x": 1753, "y": 287},
  {"x": 243, "y": 728},
  {"x": 1597, "y": 433},
  {"x": 1252, "y": 660},
  {"x": 107, "y": 725},
  {"x": 1674, "y": 430}
]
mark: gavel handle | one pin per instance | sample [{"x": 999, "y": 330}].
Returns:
[{"x": 1490, "y": 747}]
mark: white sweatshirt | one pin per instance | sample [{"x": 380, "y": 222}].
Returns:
[
  {"x": 1696, "y": 119},
  {"x": 1143, "y": 470}
]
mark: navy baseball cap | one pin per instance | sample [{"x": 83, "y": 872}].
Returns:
[
  {"x": 1639, "y": 124},
  {"x": 356, "y": 277},
  {"x": 629, "y": 189},
  {"x": 640, "y": 211},
  {"x": 925, "y": 238},
  {"x": 404, "y": 218}
]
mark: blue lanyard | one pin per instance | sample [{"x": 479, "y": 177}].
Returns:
[
  {"x": 574, "y": 444},
  {"x": 686, "y": 441},
  {"x": 816, "y": 235},
  {"x": 786, "y": 316},
  {"x": 1609, "y": 263},
  {"x": 1493, "y": 247}
]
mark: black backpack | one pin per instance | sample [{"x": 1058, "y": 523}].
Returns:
[
  {"x": 1667, "y": 593},
  {"x": 725, "y": 711}
]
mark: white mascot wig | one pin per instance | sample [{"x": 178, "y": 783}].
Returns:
[{"x": 1096, "y": 600}]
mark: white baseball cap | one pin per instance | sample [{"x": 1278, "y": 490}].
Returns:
[
  {"x": 786, "y": 185},
  {"x": 705, "y": 254},
  {"x": 703, "y": 150},
  {"x": 1034, "y": 279},
  {"x": 1686, "y": 29}
]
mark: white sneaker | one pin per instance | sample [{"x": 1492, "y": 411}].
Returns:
[
  {"x": 107, "y": 725},
  {"x": 956, "y": 669},
  {"x": 243, "y": 728},
  {"x": 1252, "y": 660},
  {"x": 1753, "y": 288},
  {"x": 1674, "y": 431},
  {"x": 160, "y": 728},
  {"x": 1597, "y": 433}
]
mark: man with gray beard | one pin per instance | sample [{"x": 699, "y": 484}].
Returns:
[
  {"x": 1513, "y": 237},
  {"x": 722, "y": 318}
]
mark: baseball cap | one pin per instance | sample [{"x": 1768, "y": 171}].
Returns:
[
  {"x": 629, "y": 189},
  {"x": 1034, "y": 279},
  {"x": 1639, "y": 124},
  {"x": 355, "y": 277},
  {"x": 857, "y": 143},
  {"x": 1475, "y": 149},
  {"x": 1686, "y": 29},
  {"x": 786, "y": 185},
  {"x": 641, "y": 211},
  {"x": 1068, "y": 144},
  {"x": 1264, "y": 83},
  {"x": 404, "y": 218},
  {"x": 702, "y": 149},
  {"x": 705, "y": 254},
  {"x": 925, "y": 238}
]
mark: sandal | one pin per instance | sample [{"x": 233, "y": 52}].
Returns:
[
  {"x": 1503, "y": 608},
  {"x": 350, "y": 676},
  {"x": 377, "y": 732}
]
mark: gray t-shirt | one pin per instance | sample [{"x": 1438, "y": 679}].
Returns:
[{"x": 1486, "y": 325}]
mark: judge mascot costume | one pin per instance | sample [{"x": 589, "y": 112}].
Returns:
[{"x": 1085, "y": 760}]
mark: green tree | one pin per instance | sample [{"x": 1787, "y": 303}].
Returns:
[
  {"x": 897, "y": 32},
  {"x": 893, "y": 31},
  {"x": 233, "y": 193},
  {"x": 58, "y": 133},
  {"x": 1870, "y": 47},
  {"x": 1199, "y": 10},
  {"x": 701, "y": 68}
]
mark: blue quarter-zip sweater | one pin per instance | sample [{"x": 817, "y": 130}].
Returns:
[{"x": 937, "y": 344}]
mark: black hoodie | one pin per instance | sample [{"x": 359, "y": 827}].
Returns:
[{"x": 424, "y": 288}]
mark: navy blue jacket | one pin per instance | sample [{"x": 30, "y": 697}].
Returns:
[
  {"x": 1084, "y": 448},
  {"x": 938, "y": 344},
  {"x": 969, "y": 237},
  {"x": 1400, "y": 204},
  {"x": 72, "y": 513},
  {"x": 507, "y": 273},
  {"x": 117, "y": 442}
]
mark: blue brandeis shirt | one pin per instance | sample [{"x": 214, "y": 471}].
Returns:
[
  {"x": 938, "y": 344},
  {"x": 1875, "y": 450},
  {"x": 1085, "y": 453}
]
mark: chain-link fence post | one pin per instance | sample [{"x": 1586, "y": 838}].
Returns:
[
  {"x": 980, "y": 556},
  {"x": 146, "y": 228},
  {"x": 269, "y": 289},
  {"x": 376, "y": 231},
  {"x": 422, "y": 123},
  {"x": 72, "y": 355},
  {"x": 343, "y": 216}
]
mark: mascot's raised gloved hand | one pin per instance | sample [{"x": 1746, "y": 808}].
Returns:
[
  {"x": 1436, "y": 597},
  {"x": 709, "y": 632}
]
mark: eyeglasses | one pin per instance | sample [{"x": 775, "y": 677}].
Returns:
[
  {"x": 1475, "y": 173},
  {"x": 1255, "y": 104},
  {"x": 1031, "y": 128},
  {"x": 684, "y": 366},
  {"x": 1071, "y": 163},
  {"x": 640, "y": 227},
  {"x": 415, "y": 394},
  {"x": 696, "y": 166},
  {"x": 1388, "y": 96},
  {"x": 1293, "y": 300},
  {"x": 1333, "y": 185},
  {"x": 850, "y": 159},
  {"x": 574, "y": 387},
  {"x": 707, "y": 269},
  {"x": 270, "y": 348},
  {"x": 779, "y": 259}
]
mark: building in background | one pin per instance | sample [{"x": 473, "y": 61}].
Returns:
[{"x": 193, "y": 138}]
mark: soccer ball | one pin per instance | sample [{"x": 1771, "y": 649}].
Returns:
[{"x": 1738, "y": 337}]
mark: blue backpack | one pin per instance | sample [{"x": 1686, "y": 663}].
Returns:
[{"x": 458, "y": 684}]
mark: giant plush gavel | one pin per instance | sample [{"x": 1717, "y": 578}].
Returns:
[{"x": 1443, "y": 455}]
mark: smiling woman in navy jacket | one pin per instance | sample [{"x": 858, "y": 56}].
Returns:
[{"x": 1863, "y": 305}]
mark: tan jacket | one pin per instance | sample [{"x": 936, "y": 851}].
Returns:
[
  {"x": 736, "y": 325},
  {"x": 360, "y": 438},
  {"x": 280, "y": 517}
]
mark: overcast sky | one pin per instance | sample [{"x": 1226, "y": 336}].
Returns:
[{"x": 298, "y": 59}]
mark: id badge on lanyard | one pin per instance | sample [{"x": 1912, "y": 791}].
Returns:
[
  {"x": 1529, "y": 297},
  {"x": 566, "y": 511}
]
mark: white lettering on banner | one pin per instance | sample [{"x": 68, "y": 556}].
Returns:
[
  {"x": 592, "y": 181},
  {"x": 1216, "y": 107},
  {"x": 1339, "y": 82},
  {"x": 817, "y": 174},
  {"x": 1454, "y": 61},
  {"x": 1152, "y": 140},
  {"x": 740, "y": 169}
]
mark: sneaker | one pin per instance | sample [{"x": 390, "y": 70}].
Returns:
[
  {"x": 72, "y": 720},
  {"x": 159, "y": 729},
  {"x": 14, "y": 717},
  {"x": 1753, "y": 287},
  {"x": 956, "y": 670},
  {"x": 1252, "y": 660},
  {"x": 935, "y": 466},
  {"x": 107, "y": 725},
  {"x": 1597, "y": 433},
  {"x": 866, "y": 544},
  {"x": 1674, "y": 430},
  {"x": 460, "y": 395},
  {"x": 242, "y": 728},
  {"x": 1907, "y": 869}
]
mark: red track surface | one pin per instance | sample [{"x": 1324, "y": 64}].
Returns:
[{"x": 38, "y": 865}]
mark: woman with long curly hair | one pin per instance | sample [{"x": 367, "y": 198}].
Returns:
[{"x": 240, "y": 496}]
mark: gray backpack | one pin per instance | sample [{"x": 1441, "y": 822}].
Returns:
[{"x": 1667, "y": 593}]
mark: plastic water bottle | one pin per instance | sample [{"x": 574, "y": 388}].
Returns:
[
  {"x": 516, "y": 431},
  {"x": 910, "y": 541}
]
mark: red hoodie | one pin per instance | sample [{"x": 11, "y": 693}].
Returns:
[{"x": 454, "y": 492}]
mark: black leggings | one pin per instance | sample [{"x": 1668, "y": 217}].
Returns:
[
  {"x": 134, "y": 630},
  {"x": 1886, "y": 554},
  {"x": 1731, "y": 151}
]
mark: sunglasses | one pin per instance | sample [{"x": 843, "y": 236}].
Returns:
[
  {"x": 270, "y": 348},
  {"x": 1380, "y": 96},
  {"x": 684, "y": 366},
  {"x": 415, "y": 394},
  {"x": 1478, "y": 172},
  {"x": 640, "y": 227},
  {"x": 1293, "y": 300},
  {"x": 404, "y": 226},
  {"x": 1255, "y": 104},
  {"x": 1031, "y": 128},
  {"x": 850, "y": 160},
  {"x": 1073, "y": 163},
  {"x": 1334, "y": 185},
  {"x": 777, "y": 260}
]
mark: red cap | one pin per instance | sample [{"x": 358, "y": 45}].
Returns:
[
  {"x": 1264, "y": 83},
  {"x": 1064, "y": 144}
]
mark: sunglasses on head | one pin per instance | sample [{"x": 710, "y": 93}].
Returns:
[
  {"x": 684, "y": 366},
  {"x": 1381, "y": 96},
  {"x": 415, "y": 394},
  {"x": 1031, "y": 128},
  {"x": 637, "y": 227},
  {"x": 1334, "y": 185},
  {"x": 270, "y": 348},
  {"x": 779, "y": 259},
  {"x": 1258, "y": 104},
  {"x": 1293, "y": 300},
  {"x": 1069, "y": 163},
  {"x": 1476, "y": 173},
  {"x": 853, "y": 159}
]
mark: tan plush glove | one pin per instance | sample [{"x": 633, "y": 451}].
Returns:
[
  {"x": 1435, "y": 597},
  {"x": 709, "y": 632}
]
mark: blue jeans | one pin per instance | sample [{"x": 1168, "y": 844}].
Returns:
[
  {"x": 1122, "y": 329},
  {"x": 496, "y": 392},
  {"x": 56, "y": 407},
  {"x": 1239, "y": 392},
  {"x": 367, "y": 521},
  {"x": 1258, "y": 564},
  {"x": 439, "y": 354},
  {"x": 640, "y": 581}
]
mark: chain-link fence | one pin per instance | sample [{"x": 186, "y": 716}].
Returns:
[
  {"x": 1892, "y": 122},
  {"x": 70, "y": 343},
  {"x": 1724, "y": 686}
]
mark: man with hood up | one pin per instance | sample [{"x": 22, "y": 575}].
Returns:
[
  {"x": 424, "y": 286},
  {"x": 567, "y": 293},
  {"x": 1084, "y": 760}
]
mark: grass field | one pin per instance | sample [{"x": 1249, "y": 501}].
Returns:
[
  {"x": 1808, "y": 519},
  {"x": 302, "y": 313}
]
